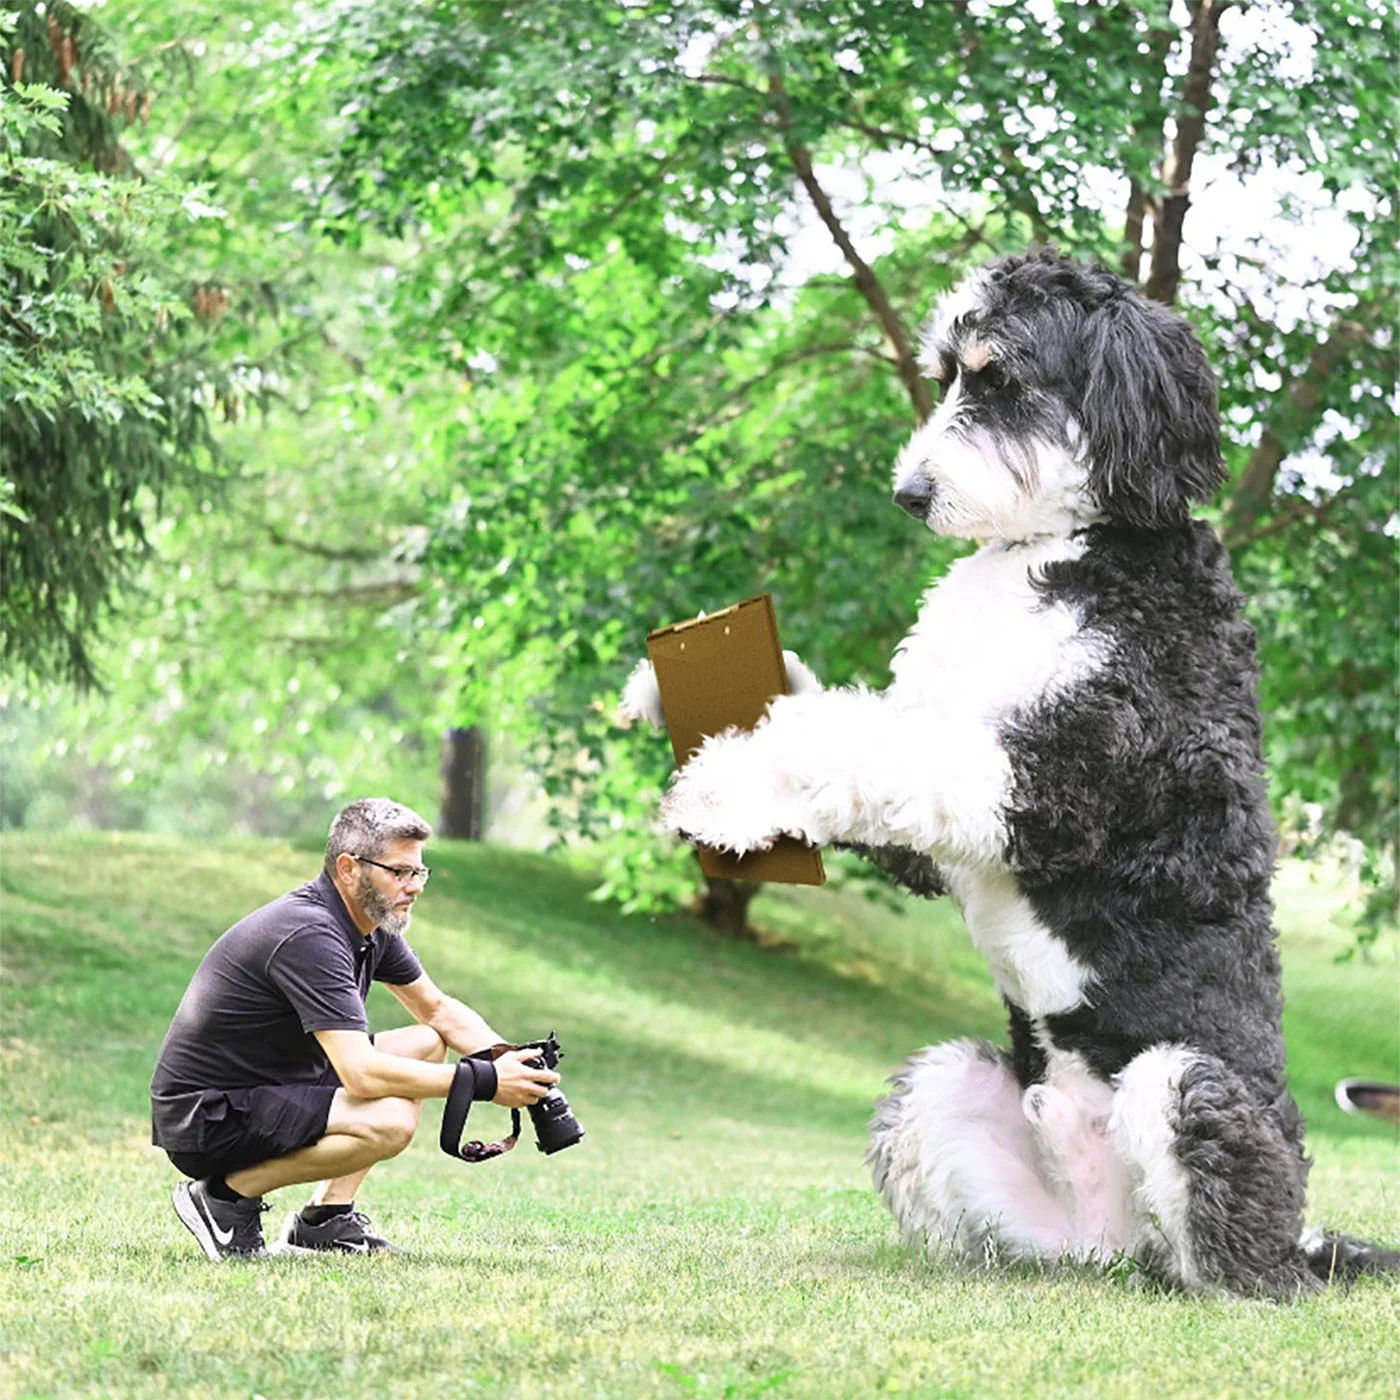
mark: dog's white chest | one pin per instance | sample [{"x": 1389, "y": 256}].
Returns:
[
  {"x": 986, "y": 642},
  {"x": 1030, "y": 966},
  {"x": 986, "y": 645}
]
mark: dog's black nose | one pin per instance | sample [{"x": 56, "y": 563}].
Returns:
[{"x": 915, "y": 496}]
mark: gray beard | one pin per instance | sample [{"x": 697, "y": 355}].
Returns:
[{"x": 379, "y": 909}]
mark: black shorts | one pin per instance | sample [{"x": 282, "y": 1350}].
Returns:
[{"x": 241, "y": 1127}]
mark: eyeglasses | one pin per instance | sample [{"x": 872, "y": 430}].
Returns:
[{"x": 402, "y": 873}]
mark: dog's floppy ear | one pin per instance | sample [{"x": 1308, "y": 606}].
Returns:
[{"x": 1149, "y": 415}]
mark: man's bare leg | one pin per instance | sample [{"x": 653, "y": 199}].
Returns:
[
  {"x": 359, "y": 1133},
  {"x": 413, "y": 1043}
]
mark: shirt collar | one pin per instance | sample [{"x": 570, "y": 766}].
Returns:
[{"x": 331, "y": 898}]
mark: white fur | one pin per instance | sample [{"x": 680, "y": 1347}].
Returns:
[
  {"x": 957, "y": 1161},
  {"x": 1029, "y": 965},
  {"x": 976, "y": 493},
  {"x": 1069, "y": 1114},
  {"x": 641, "y": 696},
  {"x": 963, "y": 299},
  {"x": 986, "y": 643},
  {"x": 1142, "y": 1128},
  {"x": 920, "y": 764},
  {"x": 1071, "y": 1169},
  {"x": 801, "y": 678}
]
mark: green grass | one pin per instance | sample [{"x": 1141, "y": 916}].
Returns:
[{"x": 715, "y": 1234}]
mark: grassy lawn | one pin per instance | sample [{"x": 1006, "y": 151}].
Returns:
[{"x": 715, "y": 1235}]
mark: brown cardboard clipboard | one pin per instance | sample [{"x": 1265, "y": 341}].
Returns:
[{"x": 716, "y": 672}]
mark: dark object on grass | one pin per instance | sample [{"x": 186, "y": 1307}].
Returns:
[
  {"x": 555, "y": 1125},
  {"x": 1367, "y": 1096}
]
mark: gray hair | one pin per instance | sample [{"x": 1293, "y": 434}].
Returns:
[{"x": 365, "y": 827}]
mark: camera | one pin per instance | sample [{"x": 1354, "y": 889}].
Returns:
[{"x": 555, "y": 1125}]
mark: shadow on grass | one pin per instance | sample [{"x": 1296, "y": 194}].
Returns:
[
  {"x": 106, "y": 961},
  {"x": 543, "y": 910}
]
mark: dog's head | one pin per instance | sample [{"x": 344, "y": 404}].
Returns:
[{"x": 1068, "y": 398}]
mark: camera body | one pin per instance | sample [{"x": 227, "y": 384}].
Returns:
[{"x": 555, "y": 1125}]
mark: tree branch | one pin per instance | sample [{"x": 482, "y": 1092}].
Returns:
[
  {"x": 1250, "y": 500},
  {"x": 322, "y": 551},
  {"x": 1133, "y": 221},
  {"x": 1300, "y": 509},
  {"x": 1159, "y": 46},
  {"x": 357, "y": 594},
  {"x": 906, "y": 364},
  {"x": 974, "y": 233},
  {"x": 1169, "y": 217},
  {"x": 717, "y": 417}
]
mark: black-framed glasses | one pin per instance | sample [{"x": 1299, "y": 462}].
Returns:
[{"x": 402, "y": 873}]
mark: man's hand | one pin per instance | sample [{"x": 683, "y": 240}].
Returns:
[{"x": 518, "y": 1084}]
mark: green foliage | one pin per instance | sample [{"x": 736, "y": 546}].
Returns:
[
  {"x": 562, "y": 366},
  {"x": 106, "y": 376},
  {"x": 268, "y": 658},
  {"x": 709, "y": 431}
]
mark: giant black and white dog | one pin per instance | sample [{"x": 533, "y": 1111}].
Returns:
[{"x": 1070, "y": 747}]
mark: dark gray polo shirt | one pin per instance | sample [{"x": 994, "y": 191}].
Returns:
[{"x": 294, "y": 966}]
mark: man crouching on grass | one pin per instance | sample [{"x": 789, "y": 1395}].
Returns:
[{"x": 268, "y": 1077}]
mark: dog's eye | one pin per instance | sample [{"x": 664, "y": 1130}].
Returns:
[{"x": 992, "y": 376}]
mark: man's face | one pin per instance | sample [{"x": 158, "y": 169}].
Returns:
[{"x": 386, "y": 900}]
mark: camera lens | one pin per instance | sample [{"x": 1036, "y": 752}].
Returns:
[{"x": 555, "y": 1125}]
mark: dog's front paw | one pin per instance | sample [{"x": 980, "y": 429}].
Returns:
[
  {"x": 720, "y": 798},
  {"x": 641, "y": 697},
  {"x": 801, "y": 679}
]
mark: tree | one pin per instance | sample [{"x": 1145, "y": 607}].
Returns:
[
  {"x": 590, "y": 212},
  {"x": 110, "y": 366},
  {"x": 646, "y": 164},
  {"x": 266, "y": 651}
]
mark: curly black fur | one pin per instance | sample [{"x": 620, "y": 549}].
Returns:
[
  {"x": 1140, "y": 828},
  {"x": 1138, "y": 821}
]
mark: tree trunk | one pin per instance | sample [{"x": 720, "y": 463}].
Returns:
[
  {"x": 1170, "y": 216},
  {"x": 725, "y": 906},
  {"x": 463, "y": 784}
]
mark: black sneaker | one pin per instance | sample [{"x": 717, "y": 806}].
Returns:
[
  {"x": 350, "y": 1233},
  {"x": 224, "y": 1229}
]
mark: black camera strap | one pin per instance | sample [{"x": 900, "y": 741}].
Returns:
[{"x": 471, "y": 1071}]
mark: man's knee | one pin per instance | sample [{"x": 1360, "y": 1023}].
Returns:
[
  {"x": 391, "y": 1129},
  {"x": 386, "y": 1126},
  {"x": 413, "y": 1043}
]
